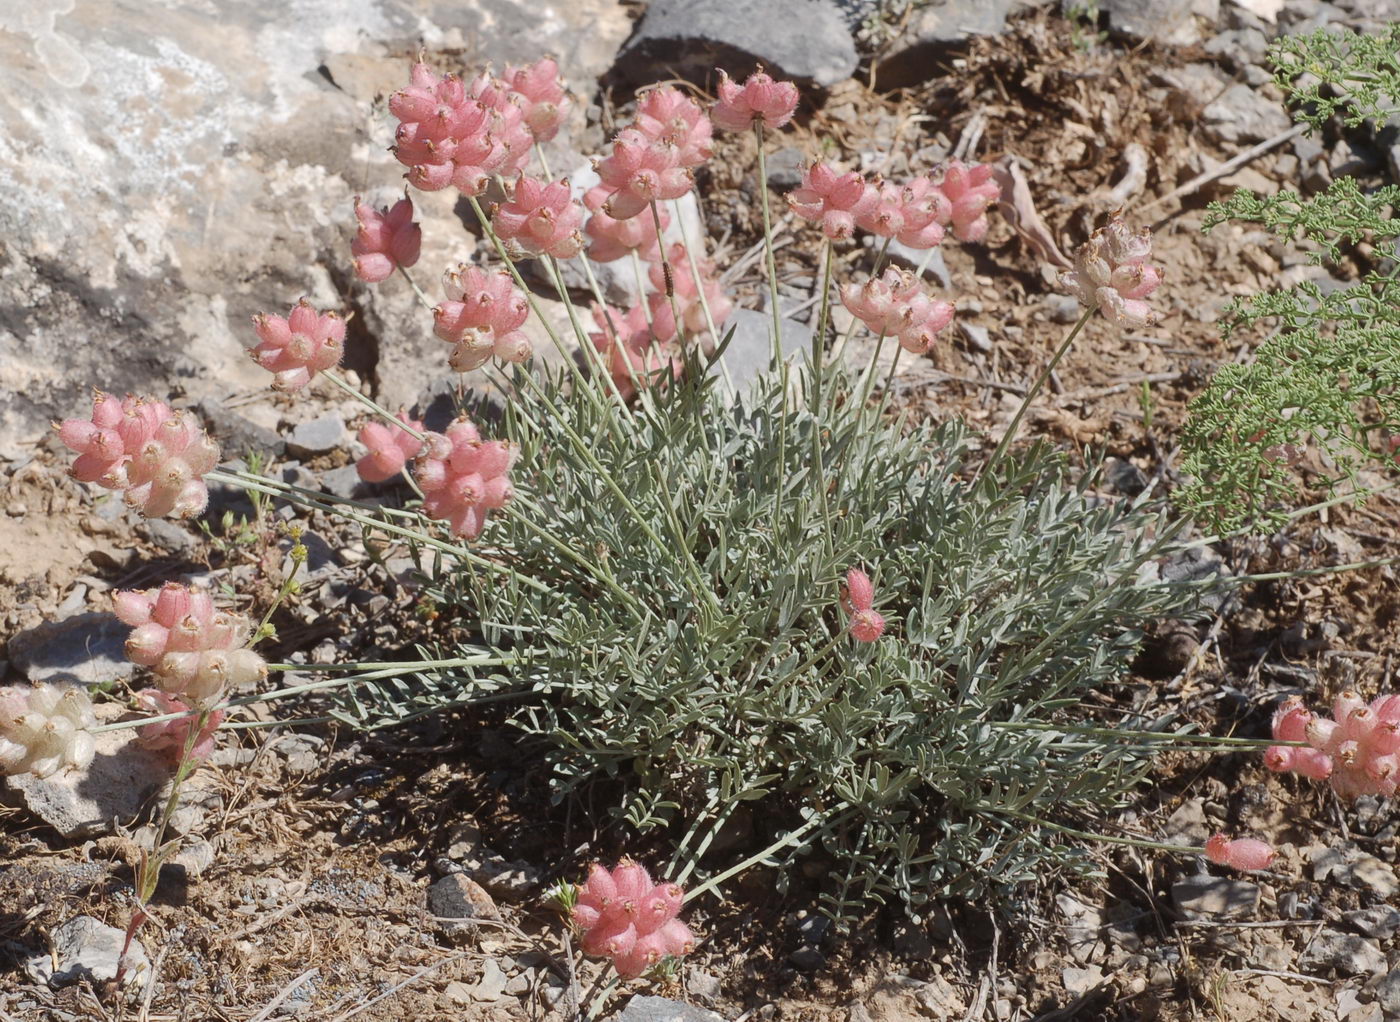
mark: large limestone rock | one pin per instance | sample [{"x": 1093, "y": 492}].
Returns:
[{"x": 167, "y": 170}]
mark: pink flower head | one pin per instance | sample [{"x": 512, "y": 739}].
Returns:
[
  {"x": 539, "y": 218},
  {"x": 884, "y": 216},
  {"x": 970, "y": 190},
  {"x": 1290, "y": 723},
  {"x": 857, "y": 598},
  {"x": 668, "y": 116},
  {"x": 1111, "y": 272},
  {"x": 633, "y": 349},
  {"x": 833, "y": 200},
  {"x": 687, "y": 291},
  {"x": 195, "y": 651},
  {"x": 295, "y": 349},
  {"x": 1241, "y": 853},
  {"x": 611, "y": 239},
  {"x": 925, "y": 211},
  {"x": 45, "y": 729},
  {"x": 482, "y": 317},
  {"x": 895, "y": 304},
  {"x": 620, "y": 914},
  {"x": 384, "y": 240},
  {"x": 509, "y": 136},
  {"x": 463, "y": 477},
  {"x": 170, "y": 736},
  {"x": 538, "y": 91},
  {"x": 760, "y": 98},
  {"x": 389, "y": 449},
  {"x": 641, "y": 171},
  {"x": 1355, "y": 750},
  {"x": 156, "y": 456},
  {"x": 444, "y": 134}
]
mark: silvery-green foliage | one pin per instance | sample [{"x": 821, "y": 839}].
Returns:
[{"x": 692, "y": 653}]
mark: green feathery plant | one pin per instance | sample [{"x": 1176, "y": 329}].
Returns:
[{"x": 1328, "y": 376}]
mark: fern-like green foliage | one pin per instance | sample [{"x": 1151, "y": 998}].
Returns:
[
  {"x": 1327, "y": 378},
  {"x": 687, "y": 682}
]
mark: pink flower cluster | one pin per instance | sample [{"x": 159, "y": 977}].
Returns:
[
  {"x": 389, "y": 448},
  {"x": 1111, "y": 272},
  {"x": 539, "y": 219},
  {"x": 653, "y": 158},
  {"x": 169, "y": 736},
  {"x": 482, "y": 317},
  {"x": 1241, "y": 853},
  {"x": 463, "y": 477},
  {"x": 760, "y": 98},
  {"x": 857, "y": 598},
  {"x": 622, "y": 915},
  {"x": 631, "y": 350},
  {"x": 45, "y": 729},
  {"x": 295, "y": 349},
  {"x": 194, "y": 651},
  {"x": 895, "y": 304},
  {"x": 451, "y": 133},
  {"x": 610, "y": 238},
  {"x": 687, "y": 289},
  {"x": 1357, "y": 750},
  {"x": 158, "y": 457},
  {"x": 384, "y": 240},
  {"x": 916, "y": 214}
]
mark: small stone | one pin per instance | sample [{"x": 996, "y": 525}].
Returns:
[
  {"x": 808, "y": 959},
  {"x": 935, "y": 268},
  {"x": 1079, "y": 982},
  {"x": 89, "y": 649},
  {"x": 1204, "y": 896},
  {"x": 1346, "y": 952},
  {"x": 1379, "y": 922},
  {"x": 238, "y": 436},
  {"x": 813, "y": 929},
  {"x": 931, "y": 29},
  {"x": 702, "y": 985},
  {"x": 343, "y": 482},
  {"x": 1240, "y": 46},
  {"x": 457, "y": 899},
  {"x": 1388, "y": 994},
  {"x": 1084, "y": 932},
  {"x": 1126, "y": 478},
  {"x": 319, "y": 436},
  {"x": 785, "y": 169},
  {"x": 520, "y": 984},
  {"x": 1348, "y": 865},
  {"x": 458, "y": 992},
  {"x": 1063, "y": 308},
  {"x": 491, "y": 984},
  {"x": 171, "y": 537},
  {"x": 751, "y": 348},
  {"x": 663, "y": 1009},
  {"x": 85, "y": 948},
  {"x": 976, "y": 336},
  {"x": 1242, "y": 114},
  {"x": 510, "y": 881}
]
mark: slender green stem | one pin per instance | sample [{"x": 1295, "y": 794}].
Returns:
[
  {"x": 868, "y": 377},
  {"x": 819, "y": 335},
  {"x": 423, "y": 299},
  {"x": 372, "y": 405},
  {"x": 150, "y": 868},
  {"x": 590, "y": 353},
  {"x": 894, "y": 367},
  {"x": 1084, "y": 835},
  {"x": 568, "y": 553},
  {"x": 1165, "y": 737},
  {"x": 768, "y": 245},
  {"x": 668, "y": 274},
  {"x": 1031, "y": 394},
  {"x": 694, "y": 261},
  {"x": 1277, "y": 576},
  {"x": 289, "y": 584},
  {"x": 839, "y": 348},
  {"x": 791, "y": 838}
]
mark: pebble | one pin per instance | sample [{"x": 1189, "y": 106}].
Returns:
[
  {"x": 663, "y": 1009},
  {"x": 1346, "y": 952},
  {"x": 808, "y": 959},
  {"x": 702, "y": 985},
  {"x": 89, "y": 649},
  {"x": 457, "y": 899},
  {"x": 1379, "y": 922},
  {"x": 85, "y": 948},
  {"x": 318, "y": 436},
  {"x": 785, "y": 169},
  {"x": 1388, "y": 994},
  {"x": 751, "y": 348},
  {"x": 491, "y": 984},
  {"x": 1243, "y": 114},
  {"x": 170, "y": 537},
  {"x": 1206, "y": 896},
  {"x": 237, "y": 435},
  {"x": 1063, "y": 308},
  {"x": 1348, "y": 865}
]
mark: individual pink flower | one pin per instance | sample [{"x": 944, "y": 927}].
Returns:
[
  {"x": 1241, "y": 853},
  {"x": 45, "y": 728},
  {"x": 857, "y": 598},
  {"x": 389, "y": 448},
  {"x": 170, "y": 736},
  {"x": 611, "y": 239},
  {"x": 1111, "y": 272},
  {"x": 444, "y": 134},
  {"x": 510, "y": 137},
  {"x": 687, "y": 291},
  {"x": 833, "y": 200},
  {"x": 384, "y": 240},
  {"x": 620, "y": 914},
  {"x": 195, "y": 651},
  {"x": 482, "y": 317},
  {"x": 895, "y": 304},
  {"x": 464, "y": 477},
  {"x": 539, "y": 218},
  {"x": 538, "y": 91},
  {"x": 666, "y": 115},
  {"x": 760, "y": 98},
  {"x": 156, "y": 456},
  {"x": 295, "y": 349},
  {"x": 925, "y": 211},
  {"x": 970, "y": 189},
  {"x": 884, "y": 216},
  {"x": 634, "y": 351},
  {"x": 641, "y": 171}
]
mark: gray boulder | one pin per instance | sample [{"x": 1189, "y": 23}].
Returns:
[{"x": 933, "y": 27}]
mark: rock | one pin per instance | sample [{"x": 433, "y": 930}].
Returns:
[
  {"x": 1063, "y": 308},
  {"x": 1240, "y": 46},
  {"x": 1198, "y": 564},
  {"x": 1204, "y": 896},
  {"x": 89, "y": 649},
  {"x": 1348, "y": 865},
  {"x": 663, "y": 1009},
  {"x": 935, "y": 26},
  {"x": 319, "y": 436},
  {"x": 785, "y": 169},
  {"x": 187, "y": 166},
  {"x": 1379, "y": 922},
  {"x": 458, "y": 992},
  {"x": 749, "y": 353},
  {"x": 237, "y": 435},
  {"x": 170, "y": 536},
  {"x": 693, "y": 37},
  {"x": 1349, "y": 954},
  {"x": 813, "y": 929},
  {"x": 344, "y": 482},
  {"x": 85, "y": 948},
  {"x": 491, "y": 984},
  {"x": 807, "y": 959},
  {"x": 1173, "y": 22},
  {"x": 1079, "y": 982},
  {"x": 1388, "y": 994},
  {"x": 510, "y": 881},
  {"x": 702, "y": 985},
  {"x": 457, "y": 899},
  {"x": 977, "y": 337},
  {"x": 1084, "y": 934},
  {"x": 931, "y": 260},
  {"x": 1187, "y": 825},
  {"x": 1124, "y": 477},
  {"x": 1242, "y": 114}
]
